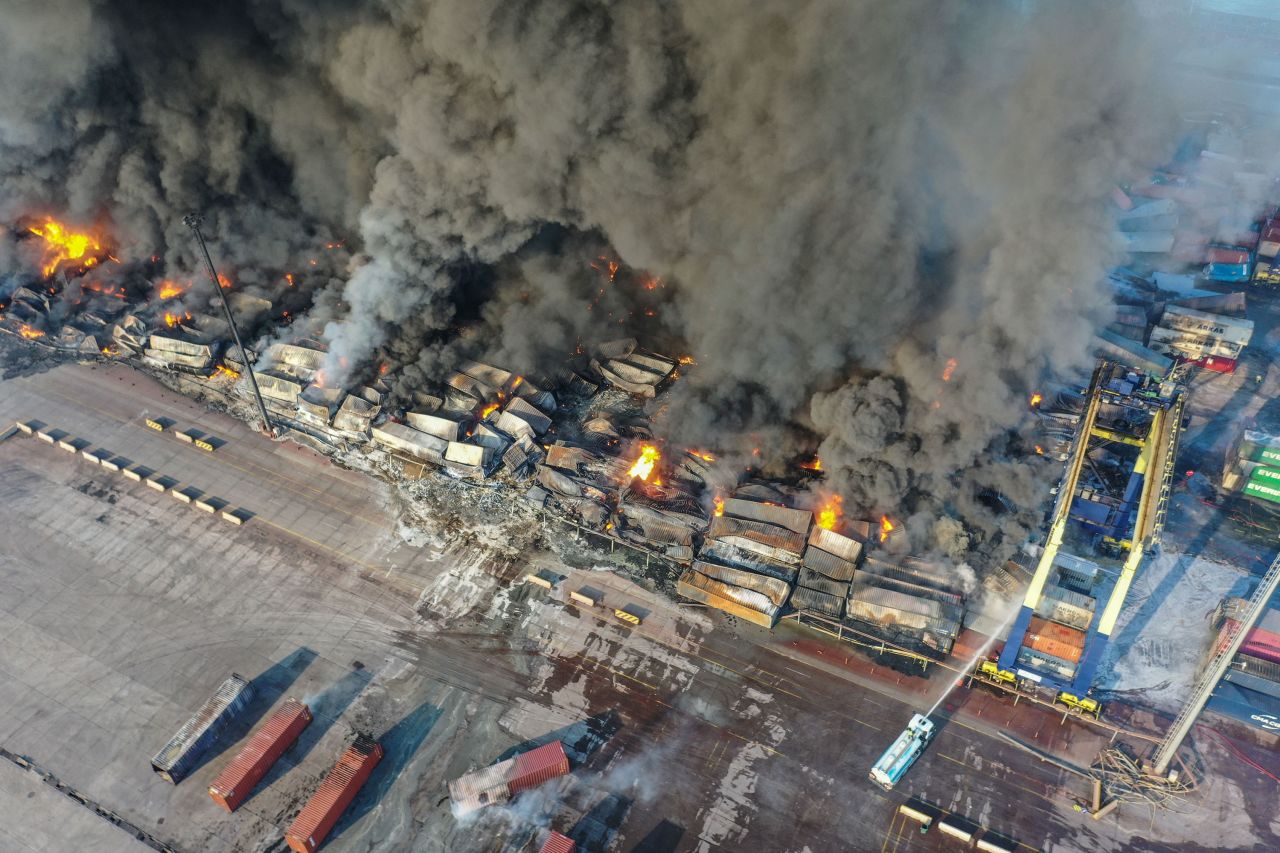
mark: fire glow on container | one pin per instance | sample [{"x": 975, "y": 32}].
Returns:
[
  {"x": 829, "y": 513},
  {"x": 62, "y": 244},
  {"x": 886, "y": 527},
  {"x": 949, "y": 369},
  {"x": 643, "y": 466}
]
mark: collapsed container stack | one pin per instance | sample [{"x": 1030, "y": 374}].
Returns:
[
  {"x": 1250, "y": 689},
  {"x": 177, "y": 758},
  {"x": 499, "y": 782},
  {"x": 340, "y": 786},
  {"x": 749, "y": 559},
  {"x": 826, "y": 570},
  {"x": 246, "y": 770},
  {"x": 909, "y": 604}
]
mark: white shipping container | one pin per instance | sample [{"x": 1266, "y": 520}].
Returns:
[
  {"x": 1192, "y": 345},
  {"x": 1210, "y": 325}
]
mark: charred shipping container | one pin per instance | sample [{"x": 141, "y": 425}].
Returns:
[
  {"x": 182, "y": 753},
  {"x": 499, "y": 782},
  {"x": 340, "y": 786},
  {"x": 246, "y": 770}
]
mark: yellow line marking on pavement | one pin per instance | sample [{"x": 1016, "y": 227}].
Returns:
[
  {"x": 763, "y": 746},
  {"x": 865, "y": 723},
  {"x": 608, "y": 668},
  {"x": 748, "y": 676}
]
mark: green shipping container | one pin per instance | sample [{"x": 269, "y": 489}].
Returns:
[
  {"x": 1257, "y": 452},
  {"x": 1267, "y": 476},
  {"x": 1263, "y": 491}
]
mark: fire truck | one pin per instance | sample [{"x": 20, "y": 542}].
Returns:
[{"x": 899, "y": 757}]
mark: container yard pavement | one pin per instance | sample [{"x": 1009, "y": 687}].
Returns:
[{"x": 121, "y": 610}]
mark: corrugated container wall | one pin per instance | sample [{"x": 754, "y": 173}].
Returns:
[
  {"x": 536, "y": 766},
  {"x": 340, "y": 786},
  {"x": 246, "y": 770},
  {"x": 183, "y": 751},
  {"x": 557, "y": 843}
]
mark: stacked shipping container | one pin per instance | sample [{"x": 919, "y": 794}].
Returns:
[
  {"x": 182, "y": 753},
  {"x": 246, "y": 770},
  {"x": 340, "y": 786}
]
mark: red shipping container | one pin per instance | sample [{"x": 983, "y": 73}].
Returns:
[
  {"x": 1217, "y": 364},
  {"x": 557, "y": 843},
  {"x": 1058, "y": 633},
  {"x": 1259, "y": 642},
  {"x": 1219, "y": 255},
  {"x": 264, "y": 749},
  {"x": 1050, "y": 646},
  {"x": 536, "y": 766},
  {"x": 318, "y": 817},
  {"x": 246, "y": 770}
]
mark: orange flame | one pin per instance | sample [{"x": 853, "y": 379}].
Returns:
[
  {"x": 224, "y": 282},
  {"x": 1039, "y": 450},
  {"x": 488, "y": 410},
  {"x": 815, "y": 465},
  {"x": 701, "y": 454},
  {"x": 171, "y": 319},
  {"x": 687, "y": 359},
  {"x": 223, "y": 370},
  {"x": 830, "y": 512},
  {"x": 886, "y": 527},
  {"x": 63, "y": 245},
  {"x": 288, "y": 277},
  {"x": 949, "y": 369},
  {"x": 643, "y": 466},
  {"x": 30, "y": 333},
  {"x": 170, "y": 289},
  {"x": 1036, "y": 398},
  {"x": 719, "y": 510}
]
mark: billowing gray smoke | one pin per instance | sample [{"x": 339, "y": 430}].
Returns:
[{"x": 840, "y": 195}]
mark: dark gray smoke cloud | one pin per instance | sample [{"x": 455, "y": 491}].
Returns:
[{"x": 839, "y": 195}]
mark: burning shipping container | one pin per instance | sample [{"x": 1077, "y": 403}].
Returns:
[
  {"x": 499, "y": 782},
  {"x": 246, "y": 770},
  {"x": 340, "y": 786},
  {"x": 183, "y": 751}
]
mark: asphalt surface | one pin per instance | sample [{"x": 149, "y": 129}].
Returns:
[{"x": 121, "y": 609}]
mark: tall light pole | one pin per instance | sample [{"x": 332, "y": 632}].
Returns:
[{"x": 193, "y": 221}]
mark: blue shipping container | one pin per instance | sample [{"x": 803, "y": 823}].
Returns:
[
  {"x": 1257, "y": 709},
  {"x": 182, "y": 753}
]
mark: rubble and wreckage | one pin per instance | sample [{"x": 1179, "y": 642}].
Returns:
[{"x": 757, "y": 556}]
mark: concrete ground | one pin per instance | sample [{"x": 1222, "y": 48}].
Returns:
[{"x": 121, "y": 610}]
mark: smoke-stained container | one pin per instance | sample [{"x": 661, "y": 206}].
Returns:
[
  {"x": 340, "y": 786},
  {"x": 557, "y": 843},
  {"x": 820, "y": 582},
  {"x": 183, "y": 751},
  {"x": 246, "y": 770},
  {"x": 536, "y": 766},
  {"x": 824, "y": 604},
  {"x": 1067, "y": 607},
  {"x": 1048, "y": 663}
]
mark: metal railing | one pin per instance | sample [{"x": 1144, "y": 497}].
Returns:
[{"x": 1217, "y": 667}]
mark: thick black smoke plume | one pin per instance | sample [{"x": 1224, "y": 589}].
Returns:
[{"x": 841, "y": 196}]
